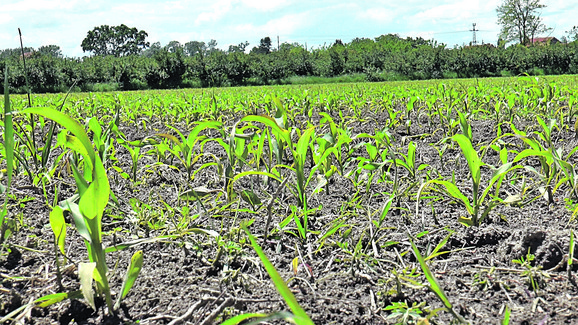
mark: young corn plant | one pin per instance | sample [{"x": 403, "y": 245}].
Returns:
[
  {"x": 434, "y": 285},
  {"x": 299, "y": 315},
  {"x": 331, "y": 144},
  {"x": 299, "y": 153},
  {"x": 475, "y": 165},
  {"x": 103, "y": 139},
  {"x": 236, "y": 147},
  {"x": 185, "y": 146},
  {"x": 546, "y": 156},
  {"x": 134, "y": 148},
  {"x": 408, "y": 162},
  {"x": 93, "y": 193}
]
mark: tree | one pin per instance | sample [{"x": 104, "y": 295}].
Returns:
[
  {"x": 16, "y": 52},
  {"x": 264, "y": 46},
  {"x": 520, "y": 20},
  {"x": 173, "y": 46},
  {"x": 152, "y": 50},
  {"x": 116, "y": 40},
  {"x": 51, "y": 50},
  {"x": 238, "y": 48},
  {"x": 212, "y": 46},
  {"x": 195, "y": 47}
]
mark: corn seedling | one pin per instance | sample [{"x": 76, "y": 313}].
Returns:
[
  {"x": 433, "y": 284},
  {"x": 475, "y": 164},
  {"x": 94, "y": 193},
  {"x": 299, "y": 315},
  {"x": 184, "y": 146},
  {"x": 299, "y": 152}
]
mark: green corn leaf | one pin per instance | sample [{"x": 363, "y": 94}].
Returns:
[
  {"x": 465, "y": 126},
  {"x": 498, "y": 174},
  {"x": 81, "y": 182},
  {"x": 504, "y": 155},
  {"x": 474, "y": 162},
  {"x": 300, "y": 315},
  {"x": 300, "y": 226},
  {"x": 281, "y": 132},
  {"x": 250, "y": 197},
  {"x": 371, "y": 151},
  {"x": 402, "y": 163},
  {"x": 260, "y": 150},
  {"x": 79, "y": 222},
  {"x": 303, "y": 143},
  {"x": 436, "y": 252},
  {"x": 58, "y": 227},
  {"x": 280, "y": 114},
  {"x": 67, "y": 122},
  {"x": 95, "y": 127},
  {"x": 385, "y": 209},
  {"x": 433, "y": 284},
  {"x": 330, "y": 232},
  {"x": 241, "y": 318},
  {"x": 85, "y": 273},
  {"x": 455, "y": 192},
  {"x": 411, "y": 153},
  {"x": 131, "y": 275},
  {"x": 49, "y": 300},
  {"x": 534, "y": 153},
  {"x": 506, "y": 320},
  {"x": 326, "y": 118},
  {"x": 94, "y": 200},
  {"x": 193, "y": 136},
  {"x": 9, "y": 150},
  {"x": 300, "y": 155}
]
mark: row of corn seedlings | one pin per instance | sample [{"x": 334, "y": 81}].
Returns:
[{"x": 290, "y": 143}]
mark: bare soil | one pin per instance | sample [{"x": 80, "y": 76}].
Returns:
[{"x": 181, "y": 280}]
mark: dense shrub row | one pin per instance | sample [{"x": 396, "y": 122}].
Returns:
[{"x": 387, "y": 57}]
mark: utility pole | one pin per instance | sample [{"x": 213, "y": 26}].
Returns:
[
  {"x": 278, "y": 46},
  {"x": 474, "y": 30}
]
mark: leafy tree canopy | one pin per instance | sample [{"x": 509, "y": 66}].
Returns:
[
  {"x": 173, "y": 46},
  {"x": 238, "y": 48},
  {"x": 264, "y": 46},
  {"x": 152, "y": 50},
  {"x": 520, "y": 20},
  {"x": 51, "y": 50},
  {"x": 115, "y": 40}
]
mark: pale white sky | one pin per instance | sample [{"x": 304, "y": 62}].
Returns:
[{"x": 66, "y": 22}]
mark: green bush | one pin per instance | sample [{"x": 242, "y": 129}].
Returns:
[{"x": 385, "y": 58}]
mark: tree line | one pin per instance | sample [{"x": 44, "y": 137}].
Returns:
[
  {"x": 123, "y": 59},
  {"x": 196, "y": 64}
]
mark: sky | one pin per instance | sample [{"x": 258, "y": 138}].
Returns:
[{"x": 66, "y": 22}]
